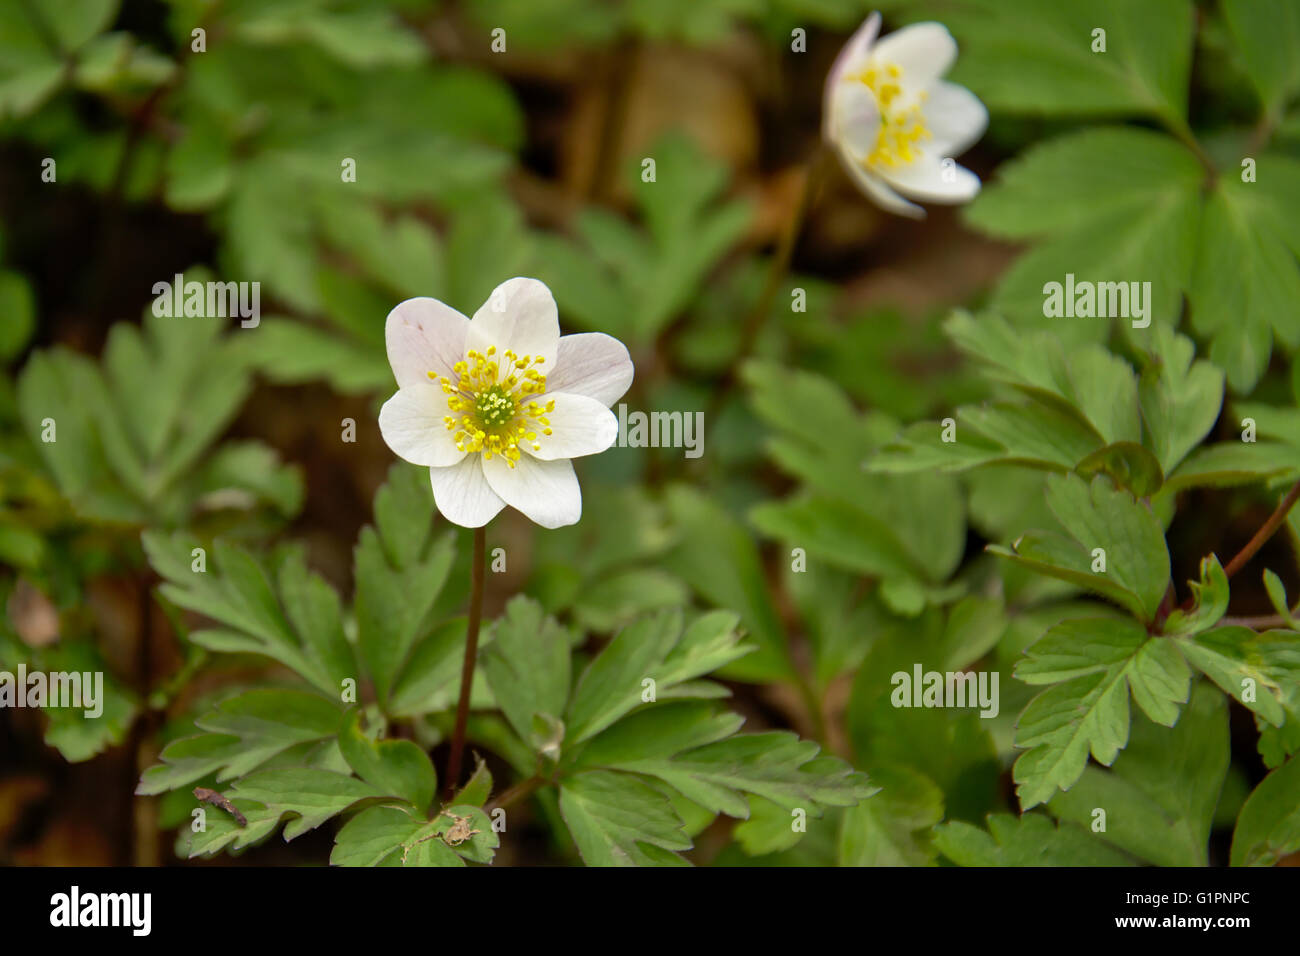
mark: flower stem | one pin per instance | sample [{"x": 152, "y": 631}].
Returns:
[
  {"x": 471, "y": 657},
  {"x": 1266, "y": 531},
  {"x": 776, "y": 273},
  {"x": 516, "y": 793}
]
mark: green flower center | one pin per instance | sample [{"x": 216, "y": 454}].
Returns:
[{"x": 494, "y": 407}]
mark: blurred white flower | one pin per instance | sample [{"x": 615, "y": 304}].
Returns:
[
  {"x": 497, "y": 405},
  {"x": 895, "y": 124}
]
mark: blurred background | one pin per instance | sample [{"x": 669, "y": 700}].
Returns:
[{"x": 489, "y": 139}]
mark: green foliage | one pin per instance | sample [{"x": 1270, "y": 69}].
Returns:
[
  {"x": 1048, "y": 64},
  {"x": 1269, "y": 825},
  {"x": 1160, "y": 795},
  {"x": 643, "y": 281},
  {"x": 988, "y": 492},
  {"x": 907, "y": 531},
  {"x": 133, "y": 441},
  {"x": 1030, "y": 840},
  {"x": 630, "y": 742}
]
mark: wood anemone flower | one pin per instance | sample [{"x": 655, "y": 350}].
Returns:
[
  {"x": 895, "y": 125},
  {"x": 496, "y": 406}
]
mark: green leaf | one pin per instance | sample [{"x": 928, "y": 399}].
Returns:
[
  {"x": 718, "y": 558},
  {"x": 1101, "y": 516},
  {"x": 1128, "y": 465},
  {"x": 379, "y": 836},
  {"x": 1230, "y": 463},
  {"x": 241, "y": 734},
  {"x": 952, "y": 747},
  {"x": 690, "y": 747},
  {"x": 289, "y": 352},
  {"x": 618, "y": 820},
  {"x": 1093, "y": 664},
  {"x": 400, "y": 568},
  {"x": 301, "y": 628},
  {"x": 768, "y": 829},
  {"x": 527, "y": 664},
  {"x": 1247, "y": 272},
  {"x": 396, "y": 767},
  {"x": 914, "y": 526},
  {"x": 1210, "y": 602},
  {"x": 1268, "y": 827},
  {"x": 1020, "y": 56},
  {"x": 1096, "y": 386},
  {"x": 1180, "y": 398},
  {"x": 307, "y": 797},
  {"x": 1160, "y": 795},
  {"x": 656, "y": 649},
  {"x": 75, "y": 735},
  {"x": 359, "y": 38},
  {"x": 841, "y": 534},
  {"x": 430, "y": 680},
  {"x": 19, "y": 308},
  {"x": 1130, "y": 214},
  {"x": 1252, "y": 668},
  {"x": 392, "y": 836},
  {"x": 1028, "y": 840},
  {"x": 479, "y": 788},
  {"x": 37, "y": 40},
  {"x": 649, "y": 279},
  {"x": 1264, "y": 30},
  {"x": 133, "y": 437},
  {"x": 1277, "y": 597},
  {"x": 892, "y": 828}
]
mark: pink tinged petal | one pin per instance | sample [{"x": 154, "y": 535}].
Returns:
[
  {"x": 592, "y": 364},
  {"x": 579, "y": 426},
  {"x": 424, "y": 335},
  {"x": 520, "y": 315},
  {"x": 463, "y": 495},
  {"x": 413, "y": 427},
  {"x": 955, "y": 117},
  {"x": 856, "y": 123},
  {"x": 878, "y": 192},
  {"x": 923, "y": 51},
  {"x": 929, "y": 181},
  {"x": 546, "y": 492},
  {"x": 852, "y": 54}
]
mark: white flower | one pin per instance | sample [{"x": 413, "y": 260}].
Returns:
[
  {"x": 497, "y": 405},
  {"x": 895, "y": 124}
]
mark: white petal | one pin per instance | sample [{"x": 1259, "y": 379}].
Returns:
[
  {"x": 925, "y": 180},
  {"x": 546, "y": 491},
  {"x": 412, "y": 425},
  {"x": 856, "y": 118},
  {"x": 955, "y": 117},
  {"x": 520, "y": 314},
  {"x": 594, "y": 364},
  {"x": 463, "y": 495},
  {"x": 850, "y": 56},
  {"x": 923, "y": 51},
  {"x": 878, "y": 192},
  {"x": 424, "y": 335},
  {"x": 579, "y": 426}
]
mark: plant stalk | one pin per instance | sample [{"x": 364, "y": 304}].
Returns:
[
  {"x": 471, "y": 657},
  {"x": 776, "y": 273},
  {"x": 1266, "y": 531}
]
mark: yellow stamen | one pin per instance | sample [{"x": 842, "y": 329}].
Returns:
[
  {"x": 902, "y": 128},
  {"x": 492, "y": 414}
]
